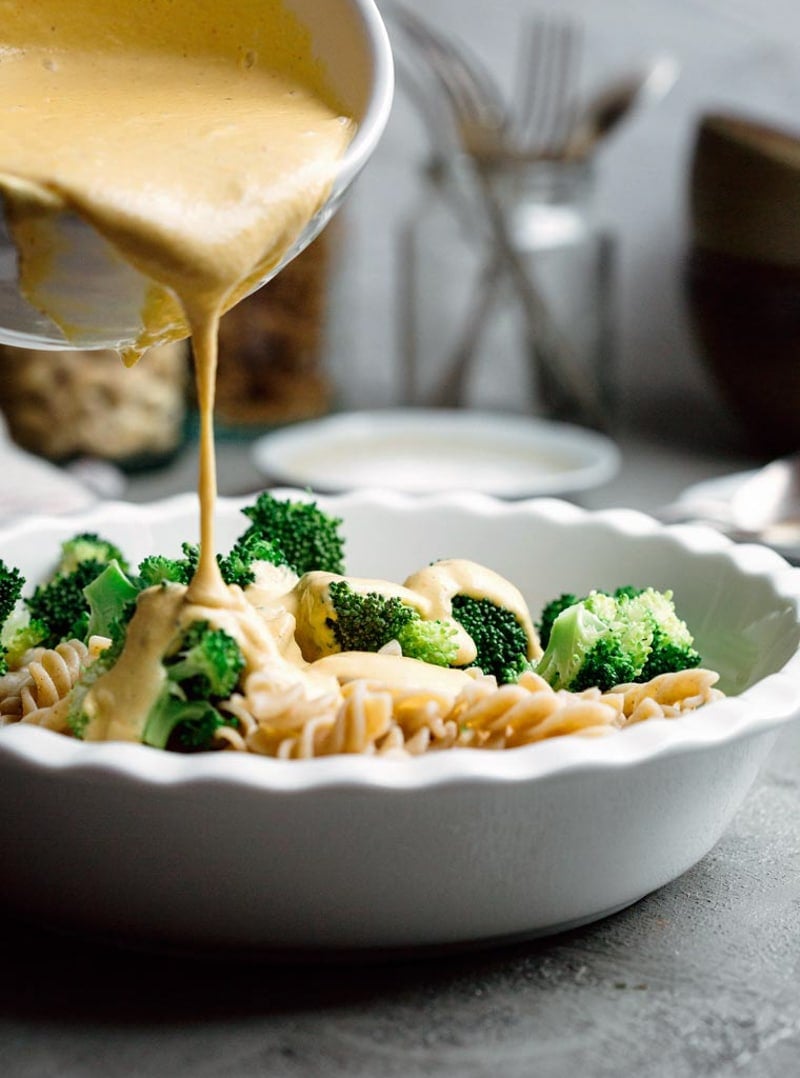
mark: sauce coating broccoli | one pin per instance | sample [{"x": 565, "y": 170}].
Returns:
[
  {"x": 205, "y": 669},
  {"x": 368, "y": 621},
  {"x": 500, "y": 640}
]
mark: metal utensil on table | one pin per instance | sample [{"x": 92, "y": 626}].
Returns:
[
  {"x": 615, "y": 101},
  {"x": 538, "y": 127},
  {"x": 482, "y": 123},
  {"x": 764, "y": 507}
]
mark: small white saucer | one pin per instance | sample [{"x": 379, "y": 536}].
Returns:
[{"x": 426, "y": 451}]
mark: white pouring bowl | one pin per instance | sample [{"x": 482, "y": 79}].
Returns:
[
  {"x": 352, "y": 853},
  {"x": 349, "y": 38}
]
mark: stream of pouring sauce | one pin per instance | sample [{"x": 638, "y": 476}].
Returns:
[{"x": 198, "y": 138}]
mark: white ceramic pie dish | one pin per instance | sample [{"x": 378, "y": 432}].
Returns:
[{"x": 250, "y": 854}]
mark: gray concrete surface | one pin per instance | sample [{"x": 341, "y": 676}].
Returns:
[{"x": 701, "y": 978}]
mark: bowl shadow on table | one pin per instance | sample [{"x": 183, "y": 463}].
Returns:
[{"x": 129, "y": 986}]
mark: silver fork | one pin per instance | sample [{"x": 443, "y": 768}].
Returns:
[
  {"x": 477, "y": 102},
  {"x": 547, "y": 73}
]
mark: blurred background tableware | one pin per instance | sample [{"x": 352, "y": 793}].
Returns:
[
  {"x": 86, "y": 404},
  {"x": 504, "y": 252},
  {"x": 761, "y": 505},
  {"x": 424, "y": 451},
  {"x": 616, "y": 99},
  {"x": 743, "y": 272},
  {"x": 272, "y": 345}
]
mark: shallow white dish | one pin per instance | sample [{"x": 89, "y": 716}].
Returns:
[
  {"x": 468, "y": 846},
  {"x": 425, "y": 451}
]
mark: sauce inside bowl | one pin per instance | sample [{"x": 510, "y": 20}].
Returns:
[{"x": 197, "y": 139}]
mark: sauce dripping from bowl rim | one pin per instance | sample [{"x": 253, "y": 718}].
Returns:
[{"x": 199, "y": 144}]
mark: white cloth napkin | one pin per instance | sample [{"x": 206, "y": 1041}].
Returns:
[{"x": 29, "y": 484}]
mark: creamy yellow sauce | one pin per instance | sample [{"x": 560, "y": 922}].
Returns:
[{"x": 198, "y": 139}]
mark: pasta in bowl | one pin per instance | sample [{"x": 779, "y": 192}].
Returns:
[{"x": 384, "y": 840}]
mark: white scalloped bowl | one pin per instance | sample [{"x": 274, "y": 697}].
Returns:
[{"x": 350, "y": 853}]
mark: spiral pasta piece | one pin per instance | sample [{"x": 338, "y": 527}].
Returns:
[{"x": 44, "y": 698}]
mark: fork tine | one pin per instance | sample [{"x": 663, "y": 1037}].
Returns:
[
  {"x": 547, "y": 71},
  {"x": 472, "y": 92}
]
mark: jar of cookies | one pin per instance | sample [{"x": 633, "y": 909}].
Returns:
[{"x": 71, "y": 404}]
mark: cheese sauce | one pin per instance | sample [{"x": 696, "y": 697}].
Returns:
[{"x": 196, "y": 137}]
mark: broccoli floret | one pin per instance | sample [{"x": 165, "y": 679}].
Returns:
[
  {"x": 549, "y": 614},
  {"x": 308, "y": 537},
  {"x": 366, "y": 621},
  {"x": 88, "y": 546},
  {"x": 182, "y": 723},
  {"x": 583, "y": 652},
  {"x": 608, "y": 639},
  {"x": 112, "y": 600},
  {"x": 672, "y": 645},
  {"x": 432, "y": 642},
  {"x": 61, "y": 606},
  {"x": 158, "y": 569},
  {"x": 237, "y": 566},
  {"x": 18, "y": 632},
  {"x": 205, "y": 668},
  {"x": 207, "y": 664},
  {"x": 500, "y": 640},
  {"x": 11, "y": 584}
]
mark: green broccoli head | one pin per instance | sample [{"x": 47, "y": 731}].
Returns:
[
  {"x": 366, "y": 621},
  {"x": 111, "y": 597},
  {"x": 185, "y": 725},
  {"x": 204, "y": 670},
  {"x": 11, "y": 584},
  {"x": 308, "y": 537},
  {"x": 434, "y": 642},
  {"x": 237, "y": 567},
  {"x": 549, "y": 614},
  {"x": 672, "y": 644},
  {"x": 60, "y": 605},
  {"x": 13, "y": 616},
  {"x": 88, "y": 546},
  {"x": 158, "y": 569},
  {"x": 500, "y": 640},
  {"x": 608, "y": 639},
  {"x": 582, "y": 652},
  {"x": 207, "y": 664}
]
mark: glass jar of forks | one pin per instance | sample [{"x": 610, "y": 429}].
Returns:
[{"x": 508, "y": 290}]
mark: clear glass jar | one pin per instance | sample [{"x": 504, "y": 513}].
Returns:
[{"x": 507, "y": 291}]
